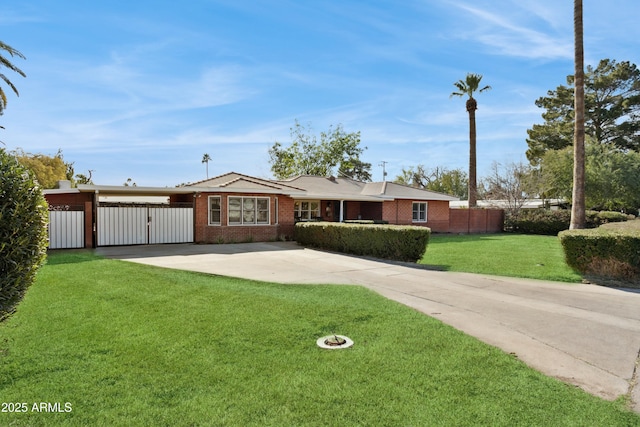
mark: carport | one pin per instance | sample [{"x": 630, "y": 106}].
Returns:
[{"x": 96, "y": 215}]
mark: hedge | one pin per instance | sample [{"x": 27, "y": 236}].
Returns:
[
  {"x": 548, "y": 222},
  {"x": 23, "y": 232},
  {"x": 396, "y": 242},
  {"x": 605, "y": 253}
]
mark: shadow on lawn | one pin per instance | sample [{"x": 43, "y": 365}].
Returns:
[{"x": 70, "y": 256}]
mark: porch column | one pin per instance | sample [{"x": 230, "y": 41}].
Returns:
[{"x": 341, "y": 210}]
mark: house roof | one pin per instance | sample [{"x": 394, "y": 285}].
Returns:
[
  {"x": 300, "y": 187},
  {"x": 238, "y": 181},
  {"x": 344, "y": 188}
]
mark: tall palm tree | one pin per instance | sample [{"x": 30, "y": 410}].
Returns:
[
  {"x": 4, "y": 62},
  {"x": 578, "y": 202},
  {"x": 469, "y": 86},
  {"x": 206, "y": 159}
]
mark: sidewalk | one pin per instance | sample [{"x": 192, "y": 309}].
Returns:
[{"x": 584, "y": 335}]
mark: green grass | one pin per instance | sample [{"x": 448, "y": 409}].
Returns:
[
  {"x": 514, "y": 255},
  {"x": 133, "y": 345}
]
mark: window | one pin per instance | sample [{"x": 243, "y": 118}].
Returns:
[
  {"x": 306, "y": 210},
  {"x": 248, "y": 210},
  {"x": 214, "y": 210},
  {"x": 419, "y": 211}
]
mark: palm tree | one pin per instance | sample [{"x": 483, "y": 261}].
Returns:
[
  {"x": 4, "y": 62},
  {"x": 578, "y": 202},
  {"x": 206, "y": 159},
  {"x": 468, "y": 87}
]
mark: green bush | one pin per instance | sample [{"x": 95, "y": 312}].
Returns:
[
  {"x": 23, "y": 232},
  {"x": 609, "y": 253},
  {"x": 548, "y": 222},
  {"x": 401, "y": 243}
]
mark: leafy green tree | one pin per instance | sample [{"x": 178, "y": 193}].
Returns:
[
  {"x": 5, "y": 63},
  {"x": 48, "y": 170},
  {"x": 23, "y": 232},
  {"x": 612, "y": 177},
  {"x": 335, "y": 152},
  {"x": 468, "y": 87},
  {"x": 612, "y": 111},
  {"x": 453, "y": 182}
]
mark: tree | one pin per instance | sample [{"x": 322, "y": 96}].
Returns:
[
  {"x": 578, "y": 218},
  {"x": 23, "y": 232},
  {"x": 84, "y": 179},
  {"x": 48, "y": 170},
  {"x": 442, "y": 180},
  {"x": 206, "y": 159},
  {"x": 468, "y": 87},
  {"x": 512, "y": 183},
  {"x": 612, "y": 177},
  {"x": 336, "y": 152},
  {"x": 4, "y": 62},
  {"x": 612, "y": 110}
]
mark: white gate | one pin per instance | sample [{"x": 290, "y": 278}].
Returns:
[
  {"x": 170, "y": 225},
  {"x": 143, "y": 225},
  {"x": 66, "y": 229}
]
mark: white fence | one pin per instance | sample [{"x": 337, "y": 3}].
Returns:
[
  {"x": 66, "y": 229},
  {"x": 143, "y": 225}
]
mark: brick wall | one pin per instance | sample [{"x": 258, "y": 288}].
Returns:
[
  {"x": 401, "y": 212},
  {"x": 438, "y": 216},
  {"x": 281, "y": 222},
  {"x": 476, "y": 220},
  {"x": 71, "y": 199}
]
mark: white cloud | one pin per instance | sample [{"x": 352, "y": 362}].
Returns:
[{"x": 510, "y": 33}]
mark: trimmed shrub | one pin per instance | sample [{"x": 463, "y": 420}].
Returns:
[
  {"x": 548, "y": 222},
  {"x": 609, "y": 253},
  {"x": 401, "y": 243},
  {"x": 539, "y": 221},
  {"x": 23, "y": 232}
]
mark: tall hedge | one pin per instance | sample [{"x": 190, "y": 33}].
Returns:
[
  {"x": 604, "y": 253},
  {"x": 548, "y": 222},
  {"x": 23, "y": 232},
  {"x": 401, "y": 243}
]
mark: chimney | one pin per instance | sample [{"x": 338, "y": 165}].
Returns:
[{"x": 63, "y": 184}]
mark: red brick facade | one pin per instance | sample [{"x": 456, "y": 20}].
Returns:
[
  {"x": 281, "y": 221},
  {"x": 401, "y": 212}
]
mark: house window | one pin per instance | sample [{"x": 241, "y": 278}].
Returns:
[
  {"x": 306, "y": 210},
  {"x": 419, "y": 211},
  {"x": 214, "y": 210},
  {"x": 248, "y": 210}
]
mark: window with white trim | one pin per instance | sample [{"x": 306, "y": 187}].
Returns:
[
  {"x": 248, "y": 210},
  {"x": 419, "y": 211},
  {"x": 306, "y": 209},
  {"x": 214, "y": 210}
]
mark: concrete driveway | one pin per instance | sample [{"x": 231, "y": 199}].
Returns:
[{"x": 584, "y": 335}]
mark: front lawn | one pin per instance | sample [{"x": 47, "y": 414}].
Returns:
[
  {"x": 121, "y": 344},
  {"x": 514, "y": 255}
]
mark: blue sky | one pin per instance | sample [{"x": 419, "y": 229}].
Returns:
[{"x": 142, "y": 89}]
